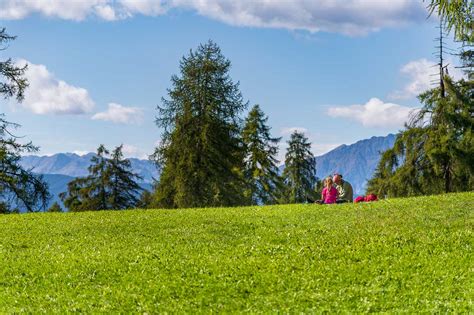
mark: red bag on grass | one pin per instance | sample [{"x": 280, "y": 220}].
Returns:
[
  {"x": 370, "y": 197},
  {"x": 359, "y": 199}
]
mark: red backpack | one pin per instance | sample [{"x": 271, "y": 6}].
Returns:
[
  {"x": 359, "y": 199},
  {"x": 370, "y": 197}
]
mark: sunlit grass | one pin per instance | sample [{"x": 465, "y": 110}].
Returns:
[{"x": 410, "y": 255}]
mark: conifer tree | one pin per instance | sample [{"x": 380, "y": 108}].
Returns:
[
  {"x": 201, "y": 152},
  {"x": 125, "y": 191},
  {"x": 146, "y": 200},
  {"x": 110, "y": 185},
  {"x": 20, "y": 189},
  {"x": 435, "y": 153},
  {"x": 260, "y": 168},
  {"x": 300, "y": 170}
]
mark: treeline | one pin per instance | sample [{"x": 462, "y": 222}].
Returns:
[
  {"x": 435, "y": 152},
  {"x": 205, "y": 178},
  {"x": 210, "y": 156}
]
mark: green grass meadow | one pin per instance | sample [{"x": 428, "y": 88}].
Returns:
[{"x": 402, "y": 255}]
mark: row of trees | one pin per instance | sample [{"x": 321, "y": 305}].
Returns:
[
  {"x": 435, "y": 152},
  {"x": 111, "y": 184},
  {"x": 210, "y": 156}
]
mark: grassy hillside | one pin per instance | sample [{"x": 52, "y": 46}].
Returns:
[{"x": 398, "y": 255}]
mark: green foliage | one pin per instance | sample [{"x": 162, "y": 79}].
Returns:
[
  {"x": 300, "y": 170},
  {"x": 407, "y": 256},
  {"x": 14, "y": 83},
  {"x": 110, "y": 184},
  {"x": 201, "y": 152},
  {"x": 435, "y": 153},
  {"x": 123, "y": 182},
  {"x": 260, "y": 167},
  {"x": 55, "y": 208},
  {"x": 19, "y": 187},
  {"x": 459, "y": 15},
  {"x": 146, "y": 200}
]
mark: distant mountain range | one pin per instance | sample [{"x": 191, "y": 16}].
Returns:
[
  {"x": 356, "y": 162},
  {"x": 74, "y": 165}
]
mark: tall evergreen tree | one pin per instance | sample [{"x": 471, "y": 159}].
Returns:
[
  {"x": 300, "y": 170},
  {"x": 19, "y": 187},
  {"x": 201, "y": 152},
  {"x": 260, "y": 168},
  {"x": 125, "y": 191},
  {"x": 110, "y": 185}
]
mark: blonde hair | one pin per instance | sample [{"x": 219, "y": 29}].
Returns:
[{"x": 328, "y": 181}]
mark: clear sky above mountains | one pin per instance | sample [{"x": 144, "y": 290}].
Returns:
[{"x": 340, "y": 70}]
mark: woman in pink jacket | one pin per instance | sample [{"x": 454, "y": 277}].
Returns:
[{"x": 329, "y": 194}]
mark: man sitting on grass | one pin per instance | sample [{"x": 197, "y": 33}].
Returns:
[{"x": 344, "y": 188}]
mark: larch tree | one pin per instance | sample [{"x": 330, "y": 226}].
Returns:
[{"x": 201, "y": 152}]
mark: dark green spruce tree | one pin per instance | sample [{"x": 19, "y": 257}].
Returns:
[
  {"x": 90, "y": 192},
  {"x": 20, "y": 188},
  {"x": 110, "y": 185},
  {"x": 260, "y": 169},
  {"x": 125, "y": 191},
  {"x": 299, "y": 174},
  {"x": 201, "y": 152}
]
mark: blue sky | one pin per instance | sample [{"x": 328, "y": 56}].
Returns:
[{"x": 339, "y": 70}]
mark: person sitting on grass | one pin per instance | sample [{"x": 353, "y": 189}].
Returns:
[
  {"x": 329, "y": 194},
  {"x": 344, "y": 189}
]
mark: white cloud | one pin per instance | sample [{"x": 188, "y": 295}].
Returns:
[
  {"x": 49, "y": 95},
  {"x": 374, "y": 113},
  {"x": 422, "y": 75},
  {"x": 106, "y": 12},
  {"x": 120, "y": 114},
  {"x": 65, "y": 9},
  {"x": 352, "y": 17},
  {"x": 145, "y": 7},
  {"x": 133, "y": 151}
]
